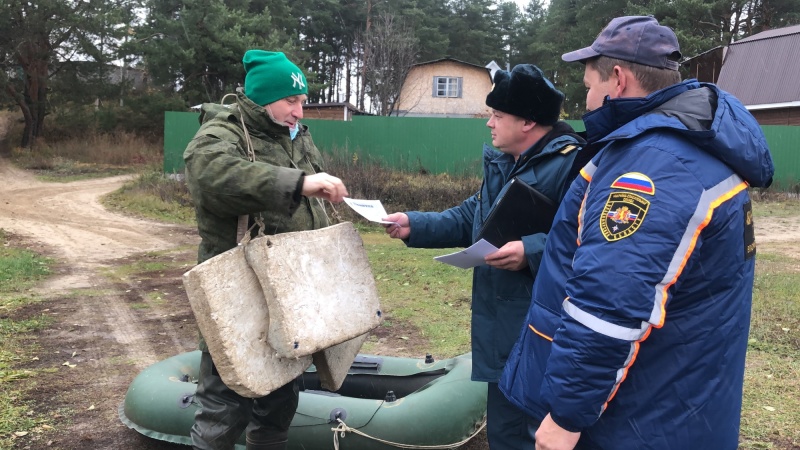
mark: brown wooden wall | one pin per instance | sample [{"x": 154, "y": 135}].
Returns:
[
  {"x": 327, "y": 113},
  {"x": 705, "y": 67},
  {"x": 782, "y": 116}
]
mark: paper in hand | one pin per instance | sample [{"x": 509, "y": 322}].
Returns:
[
  {"x": 371, "y": 210},
  {"x": 469, "y": 257}
]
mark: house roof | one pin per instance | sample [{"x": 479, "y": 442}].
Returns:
[
  {"x": 346, "y": 109},
  {"x": 347, "y": 105},
  {"x": 777, "y": 32},
  {"x": 762, "y": 69},
  {"x": 448, "y": 59},
  {"x": 687, "y": 61},
  {"x": 488, "y": 70}
]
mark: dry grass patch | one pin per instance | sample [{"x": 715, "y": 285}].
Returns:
[
  {"x": 94, "y": 155},
  {"x": 398, "y": 191},
  {"x": 156, "y": 196}
]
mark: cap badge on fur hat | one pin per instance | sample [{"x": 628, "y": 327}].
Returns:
[
  {"x": 636, "y": 39},
  {"x": 270, "y": 76},
  {"x": 525, "y": 92}
]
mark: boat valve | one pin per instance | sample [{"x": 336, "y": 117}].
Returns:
[
  {"x": 337, "y": 414},
  {"x": 390, "y": 397},
  {"x": 185, "y": 400},
  {"x": 428, "y": 358}
]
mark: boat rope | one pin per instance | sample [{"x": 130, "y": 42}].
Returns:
[{"x": 342, "y": 429}]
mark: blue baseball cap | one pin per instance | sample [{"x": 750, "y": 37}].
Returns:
[{"x": 636, "y": 39}]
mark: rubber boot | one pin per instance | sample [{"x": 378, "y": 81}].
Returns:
[
  {"x": 223, "y": 414},
  {"x": 277, "y": 441}
]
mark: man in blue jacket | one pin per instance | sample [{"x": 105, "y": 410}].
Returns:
[
  {"x": 638, "y": 325},
  {"x": 538, "y": 149}
]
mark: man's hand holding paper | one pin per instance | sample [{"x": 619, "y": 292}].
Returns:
[
  {"x": 399, "y": 227},
  {"x": 511, "y": 256}
]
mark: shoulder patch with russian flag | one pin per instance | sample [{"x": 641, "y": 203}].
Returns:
[{"x": 635, "y": 181}]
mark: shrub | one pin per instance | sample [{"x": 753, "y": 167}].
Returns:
[
  {"x": 168, "y": 189},
  {"x": 138, "y": 113},
  {"x": 144, "y": 114},
  {"x": 398, "y": 191}
]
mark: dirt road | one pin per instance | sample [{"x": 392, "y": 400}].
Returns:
[{"x": 97, "y": 330}]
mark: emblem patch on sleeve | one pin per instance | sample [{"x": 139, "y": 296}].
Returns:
[
  {"x": 622, "y": 215},
  {"x": 635, "y": 181}
]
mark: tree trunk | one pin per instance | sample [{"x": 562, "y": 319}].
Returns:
[
  {"x": 33, "y": 101},
  {"x": 347, "y": 75},
  {"x": 366, "y": 56},
  {"x": 41, "y": 100},
  {"x": 27, "y": 136}
]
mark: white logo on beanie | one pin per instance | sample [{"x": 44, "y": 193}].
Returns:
[{"x": 297, "y": 78}]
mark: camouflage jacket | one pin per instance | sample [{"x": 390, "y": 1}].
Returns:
[{"x": 225, "y": 184}]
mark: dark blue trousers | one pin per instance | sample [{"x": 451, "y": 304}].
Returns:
[{"x": 506, "y": 426}]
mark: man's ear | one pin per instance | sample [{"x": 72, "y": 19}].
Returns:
[
  {"x": 527, "y": 125},
  {"x": 622, "y": 79}
]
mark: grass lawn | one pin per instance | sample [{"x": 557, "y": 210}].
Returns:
[{"x": 19, "y": 270}]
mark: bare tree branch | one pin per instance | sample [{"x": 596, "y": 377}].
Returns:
[{"x": 390, "y": 50}]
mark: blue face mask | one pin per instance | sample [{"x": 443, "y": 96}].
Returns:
[{"x": 293, "y": 131}]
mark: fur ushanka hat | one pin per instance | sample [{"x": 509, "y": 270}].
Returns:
[{"x": 525, "y": 92}]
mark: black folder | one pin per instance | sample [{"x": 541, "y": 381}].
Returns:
[{"x": 521, "y": 211}]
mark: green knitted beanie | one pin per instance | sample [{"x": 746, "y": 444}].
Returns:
[{"x": 271, "y": 77}]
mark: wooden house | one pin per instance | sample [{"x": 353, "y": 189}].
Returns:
[
  {"x": 761, "y": 71},
  {"x": 444, "y": 88},
  {"x": 331, "y": 111}
]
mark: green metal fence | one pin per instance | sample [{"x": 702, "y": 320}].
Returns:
[
  {"x": 179, "y": 129},
  {"x": 437, "y": 145},
  {"x": 784, "y": 144}
]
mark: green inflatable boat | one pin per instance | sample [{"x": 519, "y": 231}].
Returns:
[{"x": 385, "y": 402}]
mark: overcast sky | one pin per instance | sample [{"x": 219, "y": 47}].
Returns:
[{"x": 521, "y": 4}]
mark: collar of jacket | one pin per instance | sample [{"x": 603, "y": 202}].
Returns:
[
  {"x": 561, "y": 135},
  {"x": 617, "y": 112},
  {"x": 551, "y": 142},
  {"x": 258, "y": 121}
]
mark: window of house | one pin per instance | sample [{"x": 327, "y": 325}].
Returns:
[{"x": 447, "y": 87}]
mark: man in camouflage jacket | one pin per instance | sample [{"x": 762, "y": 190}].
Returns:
[{"x": 253, "y": 159}]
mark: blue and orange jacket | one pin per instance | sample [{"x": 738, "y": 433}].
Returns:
[{"x": 638, "y": 325}]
